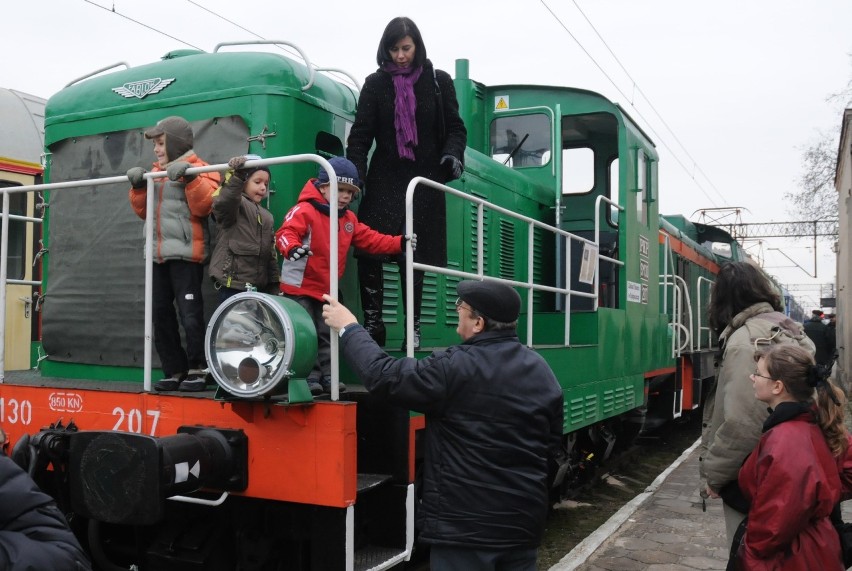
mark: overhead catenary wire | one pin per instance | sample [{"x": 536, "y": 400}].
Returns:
[
  {"x": 283, "y": 48},
  {"x": 647, "y": 100},
  {"x": 659, "y": 137},
  {"x": 153, "y": 29}
]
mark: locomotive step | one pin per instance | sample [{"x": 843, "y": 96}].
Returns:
[
  {"x": 367, "y": 482},
  {"x": 372, "y": 557}
]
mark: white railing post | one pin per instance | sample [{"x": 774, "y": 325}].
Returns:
[
  {"x": 530, "y": 271},
  {"x": 4, "y": 257},
  {"x": 149, "y": 286}
]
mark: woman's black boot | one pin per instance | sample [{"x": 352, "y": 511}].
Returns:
[
  {"x": 418, "y": 301},
  {"x": 371, "y": 281}
]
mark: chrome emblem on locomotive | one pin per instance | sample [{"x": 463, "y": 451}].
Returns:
[{"x": 143, "y": 88}]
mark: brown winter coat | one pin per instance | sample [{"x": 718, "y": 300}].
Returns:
[
  {"x": 245, "y": 246},
  {"x": 733, "y": 417}
]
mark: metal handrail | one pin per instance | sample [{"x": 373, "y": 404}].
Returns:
[
  {"x": 529, "y": 285},
  {"x": 680, "y": 292},
  {"x": 311, "y": 72},
  {"x": 700, "y": 307},
  {"x": 97, "y": 71},
  {"x": 149, "y": 250},
  {"x": 4, "y": 266},
  {"x": 598, "y": 200}
]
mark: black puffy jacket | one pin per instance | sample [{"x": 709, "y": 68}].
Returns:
[
  {"x": 33, "y": 532},
  {"x": 493, "y": 419}
]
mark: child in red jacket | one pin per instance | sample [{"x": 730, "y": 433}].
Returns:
[{"x": 303, "y": 240}]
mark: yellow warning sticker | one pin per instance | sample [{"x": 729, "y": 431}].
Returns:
[{"x": 501, "y": 103}]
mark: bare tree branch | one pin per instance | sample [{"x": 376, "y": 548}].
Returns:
[{"x": 816, "y": 197}]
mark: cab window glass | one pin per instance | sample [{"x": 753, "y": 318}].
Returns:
[
  {"x": 17, "y": 234},
  {"x": 578, "y": 170},
  {"x": 521, "y": 141}
]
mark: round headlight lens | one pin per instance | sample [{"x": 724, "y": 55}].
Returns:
[{"x": 256, "y": 342}]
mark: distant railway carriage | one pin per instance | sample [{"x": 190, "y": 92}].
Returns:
[
  {"x": 21, "y": 147},
  {"x": 559, "y": 197}
]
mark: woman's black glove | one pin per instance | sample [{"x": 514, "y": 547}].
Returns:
[{"x": 452, "y": 164}]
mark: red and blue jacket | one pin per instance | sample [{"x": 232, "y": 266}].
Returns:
[{"x": 307, "y": 224}]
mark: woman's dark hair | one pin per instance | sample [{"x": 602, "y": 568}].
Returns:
[
  {"x": 739, "y": 285},
  {"x": 397, "y": 29},
  {"x": 810, "y": 384}
]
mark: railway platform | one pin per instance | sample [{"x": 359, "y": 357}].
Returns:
[{"x": 662, "y": 529}]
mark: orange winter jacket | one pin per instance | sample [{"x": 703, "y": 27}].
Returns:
[{"x": 180, "y": 210}]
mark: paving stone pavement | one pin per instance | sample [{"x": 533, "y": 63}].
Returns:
[
  {"x": 666, "y": 531},
  {"x": 662, "y": 529}
]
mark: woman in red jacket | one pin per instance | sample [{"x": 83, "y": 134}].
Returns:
[{"x": 791, "y": 479}]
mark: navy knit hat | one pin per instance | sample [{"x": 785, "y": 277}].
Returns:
[
  {"x": 491, "y": 299},
  {"x": 347, "y": 173}
]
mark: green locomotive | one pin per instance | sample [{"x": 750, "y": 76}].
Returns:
[{"x": 559, "y": 197}]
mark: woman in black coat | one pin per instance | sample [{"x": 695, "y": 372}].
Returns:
[{"x": 410, "y": 110}]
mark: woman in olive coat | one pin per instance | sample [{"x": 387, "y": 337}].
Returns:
[{"x": 409, "y": 109}]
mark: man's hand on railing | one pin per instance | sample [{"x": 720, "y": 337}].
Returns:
[{"x": 453, "y": 165}]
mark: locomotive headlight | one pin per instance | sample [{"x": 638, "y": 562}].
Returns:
[{"x": 256, "y": 342}]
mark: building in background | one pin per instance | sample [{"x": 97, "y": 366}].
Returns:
[{"x": 843, "y": 184}]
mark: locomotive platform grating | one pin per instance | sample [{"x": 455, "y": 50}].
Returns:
[
  {"x": 370, "y": 556},
  {"x": 34, "y": 378}
]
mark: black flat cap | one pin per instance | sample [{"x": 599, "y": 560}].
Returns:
[{"x": 494, "y": 300}]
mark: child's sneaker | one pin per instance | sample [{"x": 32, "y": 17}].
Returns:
[
  {"x": 168, "y": 384},
  {"x": 194, "y": 382},
  {"x": 314, "y": 387},
  {"x": 325, "y": 383}
]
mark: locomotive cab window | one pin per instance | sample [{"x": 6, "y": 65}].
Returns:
[
  {"x": 17, "y": 234},
  {"x": 578, "y": 170},
  {"x": 522, "y": 140},
  {"x": 722, "y": 249}
]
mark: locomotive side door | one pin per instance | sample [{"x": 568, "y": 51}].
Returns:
[{"x": 20, "y": 298}]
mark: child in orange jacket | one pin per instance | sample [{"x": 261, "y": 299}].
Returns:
[{"x": 181, "y": 205}]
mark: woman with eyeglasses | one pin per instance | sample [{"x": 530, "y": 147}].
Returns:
[
  {"x": 745, "y": 311},
  {"x": 791, "y": 479}
]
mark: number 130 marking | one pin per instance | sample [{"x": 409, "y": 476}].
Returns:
[{"x": 131, "y": 420}]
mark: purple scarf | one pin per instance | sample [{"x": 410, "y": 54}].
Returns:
[{"x": 405, "y": 105}]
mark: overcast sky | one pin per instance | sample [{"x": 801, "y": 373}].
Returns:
[{"x": 730, "y": 90}]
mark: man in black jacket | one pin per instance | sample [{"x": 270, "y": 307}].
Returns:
[
  {"x": 815, "y": 329},
  {"x": 33, "y": 532},
  {"x": 493, "y": 420}
]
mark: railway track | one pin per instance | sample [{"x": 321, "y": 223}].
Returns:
[{"x": 615, "y": 483}]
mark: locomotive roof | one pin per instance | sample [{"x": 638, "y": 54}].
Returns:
[
  {"x": 21, "y": 126},
  {"x": 190, "y": 76},
  {"x": 593, "y": 99}
]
